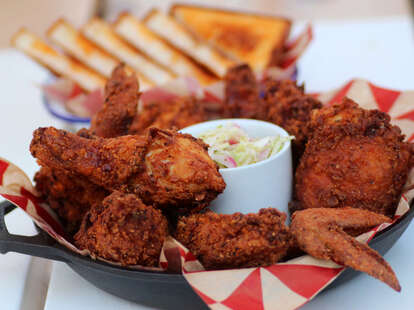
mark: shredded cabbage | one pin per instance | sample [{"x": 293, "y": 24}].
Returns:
[{"x": 231, "y": 147}]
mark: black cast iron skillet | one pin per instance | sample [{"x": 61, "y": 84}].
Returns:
[{"x": 156, "y": 289}]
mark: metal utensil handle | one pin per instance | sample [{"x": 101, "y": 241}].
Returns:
[{"x": 36, "y": 245}]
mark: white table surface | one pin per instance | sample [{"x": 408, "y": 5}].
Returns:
[{"x": 380, "y": 50}]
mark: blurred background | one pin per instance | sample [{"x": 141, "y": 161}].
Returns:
[{"x": 38, "y": 15}]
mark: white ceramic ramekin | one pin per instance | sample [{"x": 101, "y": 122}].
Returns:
[{"x": 264, "y": 184}]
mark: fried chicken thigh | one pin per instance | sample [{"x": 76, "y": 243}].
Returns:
[
  {"x": 355, "y": 158},
  {"x": 222, "y": 241},
  {"x": 122, "y": 229},
  {"x": 164, "y": 168}
]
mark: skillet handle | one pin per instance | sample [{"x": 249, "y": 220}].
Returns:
[{"x": 36, "y": 245}]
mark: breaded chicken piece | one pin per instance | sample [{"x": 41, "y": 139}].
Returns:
[
  {"x": 70, "y": 196},
  {"x": 320, "y": 233},
  {"x": 164, "y": 168},
  {"x": 354, "y": 158},
  {"x": 122, "y": 114},
  {"x": 242, "y": 97},
  {"x": 290, "y": 108},
  {"x": 120, "y": 105},
  {"x": 280, "y": 102},
  {"x": 124, "y": 230},
  {"x": 222, "y": 241},
  {"x": 177, "y": 113}
]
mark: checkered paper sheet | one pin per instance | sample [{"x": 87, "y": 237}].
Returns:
[{"x": 286, "y": 285}]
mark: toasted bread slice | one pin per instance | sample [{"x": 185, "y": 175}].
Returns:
[
  {"x": 105, "y": 37},
  {"x": 58, "y": 63},
  {"x": 138, "y": 35},
  {"x": 248, "y": 37},
  {"x": 72, "y": 42},
  {"x": 166, "y": 27},
  {"x": 76, "y": 45}
]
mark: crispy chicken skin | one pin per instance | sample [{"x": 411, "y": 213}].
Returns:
[
  {"x": 70, "y": 196},
  {"x": 120, "y": 105},
  {"x": 237, "y": 240},
  {"x": 354, "y": 158},
  {"x": 122, "y": 113},
  {"x": 122, "y": 229},
  {"x": 164, "y": 168},
  {"x": 280, "y": 102},
  {"x": 242, "y": 98},
  {"x": 178, "y": 173},
  {"x": 177, "y": 113},
  {"x": 290, "y": 108},
  {"x": 320, "y": 233}
]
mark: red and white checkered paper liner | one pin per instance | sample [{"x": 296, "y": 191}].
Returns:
[{"x": 286, "y": 285}]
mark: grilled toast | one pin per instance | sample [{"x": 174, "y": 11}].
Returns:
[
  {"x": 254, "y": 39},
  {"x": 102, "y": 34},
  {"x": 78, "y": 46},
  {"x": 170, "y": 30},
  {"x": 137, "y": 34},
  {"x": 58, "y": 63}
]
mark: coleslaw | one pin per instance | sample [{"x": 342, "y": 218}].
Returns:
[{"x": 230, "y": 146}]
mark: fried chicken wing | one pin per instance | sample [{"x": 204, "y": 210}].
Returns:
[
  {"x": 320, "y": 233},
  {"x": 120, "y": 106},
  {"x": 237, "y": 240},
  {"x": 354, "y": 158},
  {"x": 122, "y": 229},
  {"x": 70, "y": 196},
  {"x": 164, "y": 168}
]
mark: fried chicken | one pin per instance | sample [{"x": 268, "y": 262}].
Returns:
[
  {"x": 122, "y": 229},
  {"x": 280, "y": 102},
  {"x": 290, "y": 108},
  {"x": 70, "y": 196},
  {"x": 177, "y": 113},
  {"x": 164, "y": 168},
  {"x": 354, "y": 158},
  {"x": 120, "y": 106},
  {"x": 320, "y": 233},
  {"x": 237, "y": 240},
  {"x": 242, "y": 98}
]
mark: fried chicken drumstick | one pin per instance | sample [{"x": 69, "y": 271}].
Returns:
[
  {"x": 122, "y": 229},
  {"x": 354, "y": 158},
  {"x": 164, "y": 168},
  {"x": 242, "y": 96},
  {"x": 222, "y": 241},
  {"x": 120, "y": 106},
  {"x": 320, "y": 233},
  {"x": 122, "y": 114}
]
